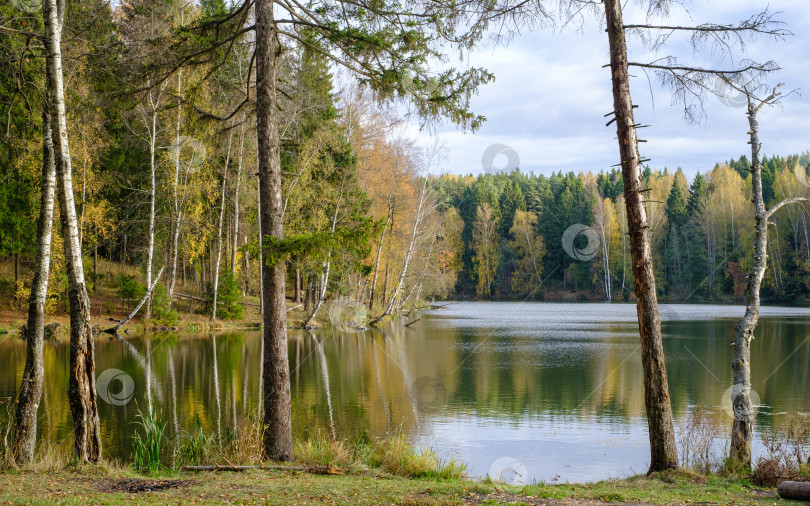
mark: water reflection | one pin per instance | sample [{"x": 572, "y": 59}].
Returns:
[{"x": 556, "y": 388}]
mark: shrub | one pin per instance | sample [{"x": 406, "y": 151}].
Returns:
[
  {"x": 162, "y": 312},
  {"x": 786, "y": 452},
  {"x": 770, "y": 472},
  {"x": 127, "y": 287},
  {"x": 229, "y": 296}
]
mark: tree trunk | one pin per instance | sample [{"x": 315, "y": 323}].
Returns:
[
  {"x": 261, "y": 246},
  {"x": 25, "y": 430},
  {"x": 742, "y": 429},
  {"x": 663, "y": 453},
  {"x": 219, "y": 229},
  {"x": 178, "y": 213},
  {"x": 16, "y": 269},
  {"x": 276, "y": 379},
  {"x": 379, "y": 252},
  {"x": 82, "y": 382},
  {"x": 297, "y": 298},
  {"x": 150, "y": 253},
  {"x": 237, "y": 184},
  {"x": 327, "y": 270}
]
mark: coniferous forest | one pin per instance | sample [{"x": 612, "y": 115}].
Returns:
[{"x": 513, "y": 232}]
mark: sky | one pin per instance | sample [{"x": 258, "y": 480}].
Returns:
[{"x": 546, "y": 107}]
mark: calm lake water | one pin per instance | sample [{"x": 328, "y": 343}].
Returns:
[{"x": 545, "y": 391}]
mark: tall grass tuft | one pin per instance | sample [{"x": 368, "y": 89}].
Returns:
[
  {"x": 195, "y": 446},
  {"x": 396, "y": 456},
  {"x": 392, "y": 455},
  {"x": 703, "y": 440},
  {"x": 147, "y": 441}
]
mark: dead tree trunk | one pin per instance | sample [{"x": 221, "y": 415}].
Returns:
[
  {"x": 25, "y": 430},
  {"x": 276, "y": 368},
  {"x": 663, "y": 452},
  {"x": 742, "y": 428},
  {"x": 82, "y": 382}
]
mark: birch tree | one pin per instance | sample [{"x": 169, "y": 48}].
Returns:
[
  {"x": 219, "y": 226},
  {"x": 82, "y": 382},
  {"x": 529, "y": 251},
  {"x": 742, "y": 428},
  {"x": 25, "y": 429},
  {"x": 485, "y": 248}
]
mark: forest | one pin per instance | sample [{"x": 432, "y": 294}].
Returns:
[
  {"x": 187, "y": 169},
  {"x": 513, "y": 233},
  {"x": 161, "y": 181}
]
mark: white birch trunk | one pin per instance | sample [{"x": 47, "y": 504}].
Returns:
[
  {"x": 82, "y": 381},
  {"x": 219, "y": 228},
  {"x": 25, "y": 430},
  {"x": 178, "y": 213}
]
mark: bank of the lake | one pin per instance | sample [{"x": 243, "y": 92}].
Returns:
[{"x": 114, "y": 485}]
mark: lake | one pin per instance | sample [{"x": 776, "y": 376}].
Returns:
[{"x": 544, "y": 391}]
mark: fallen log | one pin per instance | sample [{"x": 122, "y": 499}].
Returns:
[
  {"x": 409, "y": 324},
  {"x": 797, "y": 490},
  {"x": 231, "y": 468},
  {"x": 219, "y": 303},
  {"x": 114, "y": 330}
]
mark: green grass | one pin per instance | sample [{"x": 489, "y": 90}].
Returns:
[
  {"x": 85, "y": 484},
  {"x": 147, "y": 441},
  {"x": 666, "y": 488}
]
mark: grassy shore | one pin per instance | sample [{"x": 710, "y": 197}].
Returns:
[{"x": 109, "y": 484}]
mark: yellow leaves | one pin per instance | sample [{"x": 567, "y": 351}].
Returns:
[
  {"x": 529, "y": 251},
  {"x": 485, "y": 248}
]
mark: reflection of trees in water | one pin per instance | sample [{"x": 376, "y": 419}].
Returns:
[
  {"x": 175, "y": 418},
  {"x": 327, "y": 389},
  {"x": 360, "y": 382}
]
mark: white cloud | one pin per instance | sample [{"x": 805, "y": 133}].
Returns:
[{"x": 551, "y": 93}]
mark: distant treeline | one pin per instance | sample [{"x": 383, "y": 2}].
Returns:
[{"x": 565, "y": 235}]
